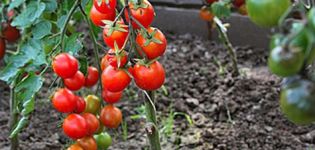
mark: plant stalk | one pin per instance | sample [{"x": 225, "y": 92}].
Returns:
[
  {"x": 14, "y": 141},
  {"x": 151, "y": 127}
]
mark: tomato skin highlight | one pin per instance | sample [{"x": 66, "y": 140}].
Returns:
[
  {"x": 103, "y": 140},
  {"x": 2, "y": 48},
  {"x": 64, "y": 101},
  {"x": 105, "y": 8},
  {"x": 111, "y": 97},
  {"x": 80, "y": 106},
  {"x": 266, "y": 13},
  {"x": 111, "y": 116},
  {"x": 11, "y": 34},
  {"x": 117, "y": 36},
  {"x": 144, "y": 16},
  {"x": 149, "y": 78},
  {"x": 75, "y": 126},
  {"x": 65, "y": 65},
  {"x": 92, "y": 77},
  {"x": 115, "y": 80},
  {"x": 87, "y": 143},
  {"x": 92, "y": 122},
  {"x": 152, "y": 50},
  {"x": 97, "y": 16},
  {"x": 76, "y": 82}
]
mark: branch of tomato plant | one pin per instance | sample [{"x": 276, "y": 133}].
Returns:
[
  {"x": 222, "y": 31},
  {"x": 14, "y": 141},
  {"x": 95, "y": 49}
]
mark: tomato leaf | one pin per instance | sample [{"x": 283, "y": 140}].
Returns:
[
  {"x": 83, "y": 65},
  {"x": 19, "y": 126},
  {"x": 51, "y": 5},
  {"x": 32, "y": 11},
  {"x": 15, "y": 4},
  {"x": 221, "y": 9},
  {"x": 61, "y": 21},
  {"x": 41, "y": 29},
  {"x": 72, "y": 44}
]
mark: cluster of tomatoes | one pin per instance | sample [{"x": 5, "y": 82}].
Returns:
[
  {"x": 206, "y": 14},
  {"x": 8, "y": 34},
  {"x": 82, "y": 122}
]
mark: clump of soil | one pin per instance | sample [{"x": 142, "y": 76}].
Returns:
[{"x": 228, "y": 112}]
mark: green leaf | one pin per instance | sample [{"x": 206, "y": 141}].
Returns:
[
  {"x": 41, "y": 29},
  {"x": 221, "y": 9},
  {"x": 15, "y": 4},
  {"x": 61, "y": 21},
  {"x": 28, "y": 107},
  {"x": 10, "y": 71},
  {"x": 51, "y": 5},
  {"x": 72, "y": 44},
  {"x": 83, "y": 65},
  {"x": 28, "y": 16},
  {"x": 19, "y": 126}
]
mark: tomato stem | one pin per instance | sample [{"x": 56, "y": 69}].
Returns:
[{"x": 13, "y": 118}]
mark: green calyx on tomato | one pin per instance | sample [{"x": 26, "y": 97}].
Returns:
[
  {"x": 297, "y": 101},
  {"x": 103, "y": 140},
  {"x": 266, "y": 13},
  {"x": 93, "y": 104}
]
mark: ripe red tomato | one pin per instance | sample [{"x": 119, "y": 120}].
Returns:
[
  {"x": 205, "y": 14},
  {"x": 75, "y": 146},
  {"x": 10, "y": 14},
  {"x": 81, "y": 104},
  {"x": 152, "y": 49},
  {"x": 64, "y": 101},
  {"x": 92, "y": 77},
  {"x": 2, "y": 48},
  {"x": 75, "y": 126},
  {"x": 111, "y": 116},
  {"x": 211, "y": 1},
  {"x": 104, "y": 7},
  {"x": 113, "y": 59},
  {"x": 115, "y": 80},
  {"x": 65, "y": 65},
  {"x": 92, "y": 121},
  {"x": 97, "y": 17},
  {"x": 238, "y": 3},
  {"x": 116, "y": 35},
  {"x": 87, "y": 143},
  {"x": 149, "y": 78},
  {"x": 104, "y": 62},
  {"x": 111, "y": 97},
  {"x": 144, "y": 13},
  {"x": 11, "y": 34},
  {"x": 76, "y": 82}
]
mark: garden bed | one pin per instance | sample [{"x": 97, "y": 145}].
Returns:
[{"x": 194, "y": 87}]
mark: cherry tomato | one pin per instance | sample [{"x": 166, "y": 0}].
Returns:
[
  {"x": 119, "y": 34},
  {"x": 10, "y": 14},
  {"x": 76, "y": 82},
  {"x": 104, "y": 62},
  {"x": 11, "y": 34},
  {"x": 115, "y": 80},
  {"x": 238, "y": 3},
  {"x": 98, "y": 17},
  {"x": 205, "y": 14},
  {"x": 242, "y": 10},
  {"x": 65, "y": 65},
  {"x": 297, "y": 101},
  {"x": 64, "y": 101},
  {"x": 285, "y": 62},
  {"x": 75, "y": 146},
  {"x": 143, "y": 13},
  {"x": 149, "y": 78},
  {"x": 92, "y": 121},
  {"x": 266, "y": 13},
  {"x": 2, "y": 48},
  {"x": 75, "y": 126},
  {"x": 93, "y": 104},
  {"x": 105, "y": 7},
  {"x": 81, "y": 104},
  {"x": 103, "y": 140},
  {"x": 87, "y": 143},
  {"x": 211, "y": 1},
  {"x": 92, "y": 77},
  {"x": 153, "y": 45},
  {"x": 111, "y": 97},
  {"x": 114, "y": 59},
  {"x": 111, "y": 116}
]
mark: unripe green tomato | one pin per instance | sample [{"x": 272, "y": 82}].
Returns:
[
  {"x": 311, "y": 18},
  {"x": 103, "y": 140},
  {"x": 266, "y": 13},
  {"x": 275, "y": 40},
  {"x": 285, "y": 62},
  {"x": 297, "y": 101},
  {"x": 93, "y": 104}
]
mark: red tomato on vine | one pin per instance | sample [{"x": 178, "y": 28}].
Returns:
[
  {"x": 117, "y": 33},
  {"x": 115, "y": 80},
  {"x": 92, "y": 122},
  {"x": 205, "y": 14},
  {"x": 11, "y": 34},
  {"x": 104, "y": 7},
  {"x": 92, "y": 77},
  {"x": 153, "y": 43},
  {"x": 150, "y": 77},
  {"x": 98, "y": 17},
  {"x": 111, "y": 97},
  {"x": 64, "y": 101},
  {"x": 80, "y": 106},
  {"x": 76, "y": 82},
  {"x": 75, "y": 126},
  {"x": 2, "y": 48},
  {"x": 75, "y": 146},
  {"x": 118, "y": 60},
  {"x": 111, "y": 116},
  {"x": 65, "y": 65},
  {"x": 211, "y": 1},
  {"x": 143, "y": 13}
]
